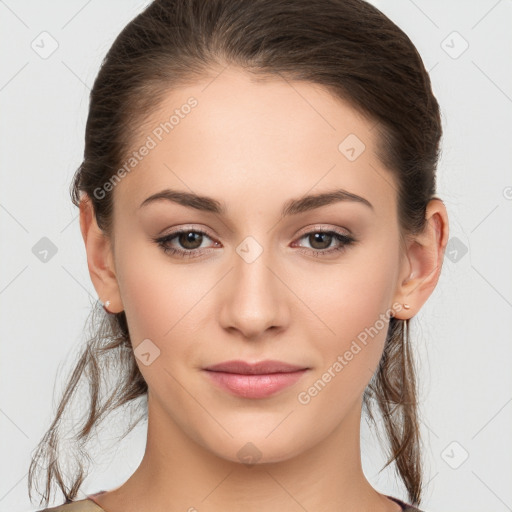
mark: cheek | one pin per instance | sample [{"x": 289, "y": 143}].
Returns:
[
  {"x": 162, "y": 304},
  {"x": 347, "y": 359},
  {"x": 354, "y": 304},
  {"x": 351, "y": 296},
  {"x": 166, "y": 303},
  {"x": 155, "y": 294}
]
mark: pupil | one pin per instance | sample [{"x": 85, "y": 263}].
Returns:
[
  {"x": 190, "y": 238},
  {"x": 318, "y": 238}
]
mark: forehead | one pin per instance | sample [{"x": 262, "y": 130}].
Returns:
[{"x": 236, "y": 138}]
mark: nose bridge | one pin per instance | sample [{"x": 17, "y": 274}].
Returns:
[{"x": 254, "y": 300}]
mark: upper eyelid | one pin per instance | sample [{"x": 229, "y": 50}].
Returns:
[{"x": 318, "y": 227}]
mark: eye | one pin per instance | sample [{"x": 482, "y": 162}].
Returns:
[
  {"x": 321, "y": 241},
  {"x": 190, "y": 239}
]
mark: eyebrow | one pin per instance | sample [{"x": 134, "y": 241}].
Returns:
[{"x": 291, "y": 207}]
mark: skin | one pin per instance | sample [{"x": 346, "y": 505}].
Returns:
[{"x": 254, "y": 146}]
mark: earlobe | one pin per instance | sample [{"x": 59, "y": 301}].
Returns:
[
  {"x": 423, "y": 261},
  {"x": 100, "y": 259}
]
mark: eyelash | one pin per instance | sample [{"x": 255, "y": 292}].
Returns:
[{"x": 344, "y": 239}]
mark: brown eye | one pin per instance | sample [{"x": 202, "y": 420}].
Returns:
[
  {"x": 184, "y": 243},
  {"x": 320, "y": 240},
  {"x": 190, "y": 239}
]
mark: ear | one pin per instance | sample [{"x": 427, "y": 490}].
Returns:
[
  {"x": 100, "y": 258},
  {"x": 423, "y": 261}
]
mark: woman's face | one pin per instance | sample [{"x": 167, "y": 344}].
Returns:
[{"x": 258, "y": 284}]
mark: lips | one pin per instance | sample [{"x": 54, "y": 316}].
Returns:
[
  {"x": 254, "y": 380},
  {"x": 260, "y": 368}
]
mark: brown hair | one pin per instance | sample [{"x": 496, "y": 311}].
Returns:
[{"x": 347, "y": 46}]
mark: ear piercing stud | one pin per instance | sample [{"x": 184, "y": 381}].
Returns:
[{"x": 405, "y": 306}]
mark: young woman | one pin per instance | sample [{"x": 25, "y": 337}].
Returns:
[{"x": 258, "y": 205}]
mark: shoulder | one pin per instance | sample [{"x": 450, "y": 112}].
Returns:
[{"x": 84, "y": 505}]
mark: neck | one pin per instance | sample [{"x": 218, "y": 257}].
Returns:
[{"x": 178, "y": 473}]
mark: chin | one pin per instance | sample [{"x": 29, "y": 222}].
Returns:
[{"x": 255, "y": 447}]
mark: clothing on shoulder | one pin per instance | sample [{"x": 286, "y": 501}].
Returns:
[{"x": 84, "y": 505}]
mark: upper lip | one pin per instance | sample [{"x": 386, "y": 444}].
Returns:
[{"x": 259, "y": 368}]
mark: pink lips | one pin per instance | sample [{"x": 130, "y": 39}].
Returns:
[{"x": 258, "y": 380}]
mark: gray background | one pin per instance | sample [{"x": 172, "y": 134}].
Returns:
[{"x": 462, "y": 335}]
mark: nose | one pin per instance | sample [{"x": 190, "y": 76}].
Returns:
[{"x": 254, "y": 297}]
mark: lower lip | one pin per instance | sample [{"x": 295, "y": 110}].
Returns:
[{"x": 255, "y": 386}]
